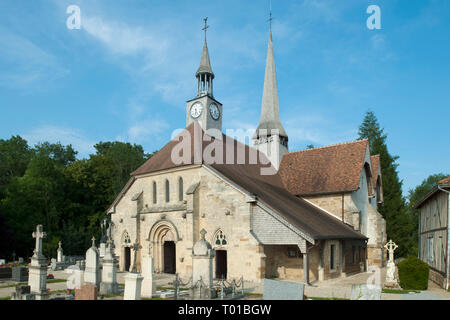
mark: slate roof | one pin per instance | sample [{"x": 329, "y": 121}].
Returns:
[
  {"x": 268, "y": 189},
  {"x": 331, "y": 169}
]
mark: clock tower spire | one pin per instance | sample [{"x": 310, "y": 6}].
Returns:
[{"x": 204, "y": 108}]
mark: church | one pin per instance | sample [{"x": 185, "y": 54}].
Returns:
[{"x": 309, "y": 215}]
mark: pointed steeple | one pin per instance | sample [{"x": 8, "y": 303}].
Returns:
[
  {"x": 204, "y": 73},
  {"x": 270, "y": 111},
  {"x": 205, "y": 63}
]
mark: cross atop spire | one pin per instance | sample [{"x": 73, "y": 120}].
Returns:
[
  {"x": 206, "y": 27},
  {"x": 270, "y": 17}
]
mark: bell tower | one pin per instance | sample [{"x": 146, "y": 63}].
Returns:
[
  {"x": 270, "y": 136},
  {"x": 204, "y": 108}
]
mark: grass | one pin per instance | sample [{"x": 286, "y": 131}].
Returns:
[
  {"x": 170, "y": 288},
  {"x": 56, "y": 281},
  {"x": 251, "y": 294},
  {"x": 397, "y": 291},
  {"x": 26, "y": 283},
  {"x": 112, "y": 295},
  {"x": 5, "y": 298},
  {"x": 321, "y": 298}
]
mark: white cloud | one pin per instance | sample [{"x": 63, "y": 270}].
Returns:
[
  {"x": 24, "y": 64},
  {"x": 143, "y": 130},
  {"x": 65, "y": 136}
]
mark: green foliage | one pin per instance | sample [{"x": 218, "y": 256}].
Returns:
[
  {"x": 413, "y": 274},
  {"x": 47, "y": 185},
  {"x": 417, "y": 194},
  {"x": 399, "y": 225}
]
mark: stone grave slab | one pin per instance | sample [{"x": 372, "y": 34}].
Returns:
[
  {"x": 283, "y": 290},
  {"x": 365, "y": 292}
]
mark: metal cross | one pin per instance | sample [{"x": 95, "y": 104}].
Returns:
[
  {"x": 206, "y": 26},
  {"x": 39, "y": 234},
  {"x": 270, "y": 16}
]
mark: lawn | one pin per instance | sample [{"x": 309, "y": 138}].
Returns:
[{"x": 397, "y": 291}]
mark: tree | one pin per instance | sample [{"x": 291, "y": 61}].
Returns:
[
  {"x": 15, "y": 154},
  {"x": 399, "y": 224},
  {"x": 417, "y": 194}
]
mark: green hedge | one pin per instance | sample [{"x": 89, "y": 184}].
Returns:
[{"x": 413, "y": 274}]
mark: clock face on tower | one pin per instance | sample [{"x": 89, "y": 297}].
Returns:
[
  {"x": 214, "y": 111},
  {"x": 196, "y": 110}
]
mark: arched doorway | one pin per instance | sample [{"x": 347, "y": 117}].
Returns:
[
  {"x": 220, "y": 243},
  {"x": 164, "y": 237},
  {"x": 125, "y": 259},
  {"x": 169, "y": 257}
]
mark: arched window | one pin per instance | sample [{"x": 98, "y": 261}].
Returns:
[
  {"x": 220, "y": 239},
  {"x": 126, "y": 239},
  {"x": 369, "y": 179},
  {"x": 167, "y": 191},
  {"x": 180, "y": 189},
  {"x": 154, "y": 192}
]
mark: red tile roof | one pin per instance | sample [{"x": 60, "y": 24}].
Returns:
[
  {"x": 375, "y": 165},
  {"x": 445, "y": 181},
  {"x": 328, "y": 169},
  {"x": 268, "y": 189}
]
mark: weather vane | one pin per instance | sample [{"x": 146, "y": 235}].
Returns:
[{"x": 206, "y": 26}]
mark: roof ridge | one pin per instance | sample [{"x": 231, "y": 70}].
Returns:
[{"x": 329, "y": 146}]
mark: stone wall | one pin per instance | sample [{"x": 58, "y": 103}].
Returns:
[
  {"x": 437, "y": 277},
  {"x": 215, "y": 205},
  {"x": 280, "y": 265}
]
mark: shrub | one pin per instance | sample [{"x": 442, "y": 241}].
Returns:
[{"x": 413, "y": 274}]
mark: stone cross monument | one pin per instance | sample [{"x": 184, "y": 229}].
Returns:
[
  {"x": 92, "y": 271},
  {"x": 39, "y": 234},
  {"x": 391, "y": 280},
  {"x": 202, "y": 267},
  {"x": 133, "y": 280},
  {"x": 148, "y": 288},
  {"x": 37, "y": 279},
  {"x": 59, "y": 257},
  {"x": 109, "y": 283}
]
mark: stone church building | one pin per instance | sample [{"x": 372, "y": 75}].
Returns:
[{"x": 269, "y": 213}]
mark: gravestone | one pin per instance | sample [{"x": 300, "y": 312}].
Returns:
[
  {"x": 202, "y": 265},
  {"x": 283, "y": 290},
  {"x": 148, "y": 284},
  {"x": 21, "y": 260},
  {"x": 2, "y": 262},
  {"x": 92, "y": 270},
  {"x": 365, "y": 292},
  {"x": 109, "y": 283},
  {"x": 37, "y": 279},
  {"x": 133, "y": 280},
  {"x": 22, "y": 293},
  {"x": 20, "y": 274},
  {"x": 87, "y": 292}
]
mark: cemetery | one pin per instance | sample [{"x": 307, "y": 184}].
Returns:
[{"x": 96, "y": 277}]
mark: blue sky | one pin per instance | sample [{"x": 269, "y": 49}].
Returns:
[{"x": 127, "y": 73}]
